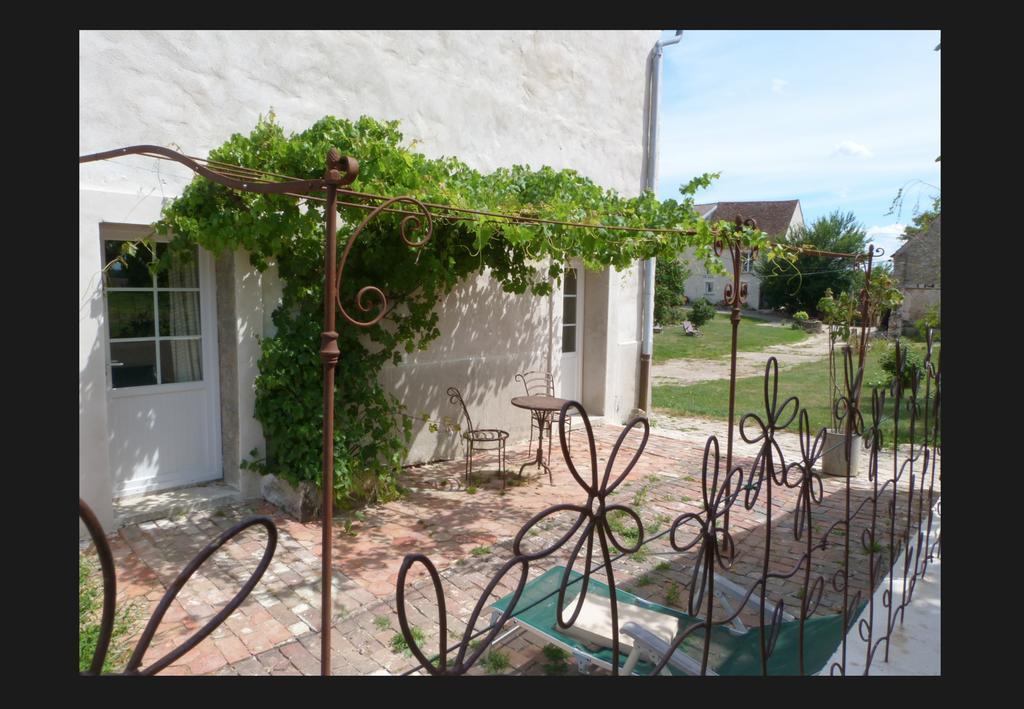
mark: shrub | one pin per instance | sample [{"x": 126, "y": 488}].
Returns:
[
  {"x": 799, "y": 318},
  {"x": 912, "y": 362},
  {"x": 671, "y": 316},
  {"x": 930, "y": 320},
  {"x": 669, "y": 282},
  {"x": 701, "y": 312}
]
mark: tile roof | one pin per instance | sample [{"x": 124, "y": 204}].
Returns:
[{"x": 771, "y": 217}]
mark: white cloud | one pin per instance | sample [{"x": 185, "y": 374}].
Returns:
[
  {"x": 848, "y": 147},
  {"x": 887, "y": 237},
  {"x": 893, "y": 229},
  {"x": 778, "y": 85}
]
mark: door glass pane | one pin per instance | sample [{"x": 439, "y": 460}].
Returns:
[
  {"x": 179, "y": 313},
  {"x": 132, "y": 364},
  {"x": 568, "y": 338},
  {"x": 180, "y": 361},
  {"x": 134, "y": 273},
  {"x": 570, "y": 281},
  {"x": 183, "y": 271},
  {"x": 569, "y": 311},
  {"x": 131, "y": 314}
]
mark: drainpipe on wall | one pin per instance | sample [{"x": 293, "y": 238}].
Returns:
[{"x": 649, "y": 179}]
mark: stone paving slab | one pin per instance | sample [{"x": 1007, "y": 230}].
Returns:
[{"x": 467, "y": 533}]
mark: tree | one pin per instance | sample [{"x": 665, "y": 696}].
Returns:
[
  {"x": 669, "y": 285},
  {"x": 799, "y": 285},
  {"x": 923, "y": 220}
]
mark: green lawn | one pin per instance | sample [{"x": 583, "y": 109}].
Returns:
[
  {"x": 754, "y": 335},
  {"x": 808, "y": 381}
]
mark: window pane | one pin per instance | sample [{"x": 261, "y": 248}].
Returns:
[
  {"x": 179, "y": 313},
  {"x": 132, "y": 364},
  {"x": 180, "y": 361},
  {"x": 131, "y": 314},
  {"x": 569, "y": 311},
  {"x": 183, "y": 271},
  {"x": 132, "y": 274},
  {"x": 568, "y": 338},
  {"x": 570, "y": 282}
]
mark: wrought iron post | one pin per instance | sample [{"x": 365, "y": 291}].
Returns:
[
  {"x": 735, "y": 295},
  {"x": 329, "y": 355}
]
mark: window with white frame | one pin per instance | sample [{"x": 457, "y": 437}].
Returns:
[
  {"x": 748, "y": 262},
  {"x": 709, "y": 287},
  {"x": 152, "y": 320}
]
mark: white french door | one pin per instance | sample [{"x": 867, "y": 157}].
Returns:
[
  {"x": 572, "y": 333},
  {"x": 162, "y": 393}
]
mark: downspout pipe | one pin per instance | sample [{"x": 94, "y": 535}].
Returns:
[{"x": 649, "y": 181}]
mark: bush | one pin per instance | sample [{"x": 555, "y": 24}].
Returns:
[
  {"x": 930, "y": 320},
  {"x": 671, "y": 316},
  {"x": 799, "y": 318},
  {"x": 701, "y": 312},
  {"x": 669, "y": 283},
  {"x": 913, "y": 361}
]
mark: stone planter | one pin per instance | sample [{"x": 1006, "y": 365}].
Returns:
[
  {"x": 302, "y": 501},
  {"x": 811, "y": 326},
  {"x": 833, "y": 460}
]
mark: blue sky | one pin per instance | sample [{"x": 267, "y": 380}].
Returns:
[{"x": 836, "y": 119}]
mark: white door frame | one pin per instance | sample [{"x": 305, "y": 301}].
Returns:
[{"x": 210, "y": 382}]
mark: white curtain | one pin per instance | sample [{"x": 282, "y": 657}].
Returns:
[{"x": 186, "y": 355}]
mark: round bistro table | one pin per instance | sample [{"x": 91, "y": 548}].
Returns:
[{"x": 543, "y": 407}]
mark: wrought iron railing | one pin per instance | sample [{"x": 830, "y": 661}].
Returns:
[
  {"x": 897, "y": 520},
  {"x": 106, "y": 560}
]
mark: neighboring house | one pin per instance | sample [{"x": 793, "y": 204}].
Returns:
[
  {"x": 774, "y": 218},
  {"x": 157, "y": 413},
  {"x": 916, "y": 268}
]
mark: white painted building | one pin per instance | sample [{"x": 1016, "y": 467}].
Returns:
[
  {"x": 166, "y": 399},
  {"x": 776, "y": 218}
]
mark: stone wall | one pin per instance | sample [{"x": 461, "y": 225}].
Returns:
[{"x": 917, "y": 268}]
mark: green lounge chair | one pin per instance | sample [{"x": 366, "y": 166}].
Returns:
[{"x": 641, "y": 648}]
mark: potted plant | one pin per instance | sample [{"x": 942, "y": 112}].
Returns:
[{"x": 838, "y": 314}]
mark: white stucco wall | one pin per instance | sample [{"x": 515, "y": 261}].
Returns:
[
  {"x": 493, "y": 98},
  {"x": 694, "y": 287},
  {"x": 565, "y": 99}
]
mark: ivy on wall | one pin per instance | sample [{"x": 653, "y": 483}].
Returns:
[{"x": 372, "y": 433}]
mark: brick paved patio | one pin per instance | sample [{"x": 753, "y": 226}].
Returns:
[{"x": 467, "y": 534}]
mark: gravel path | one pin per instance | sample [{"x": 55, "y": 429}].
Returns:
[{"x": 681, "y": 372}]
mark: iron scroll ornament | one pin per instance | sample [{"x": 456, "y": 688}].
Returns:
[
  {"x": 106, "y": 558},
  {"x": 409, "y": 224},
  {"x": 735, "y": 291},
  {"x": 590, "y": 516}
]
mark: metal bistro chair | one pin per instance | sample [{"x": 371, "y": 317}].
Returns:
[
  {"x": 543, "y": 383},
  {"x": 479, "y": 438}
]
